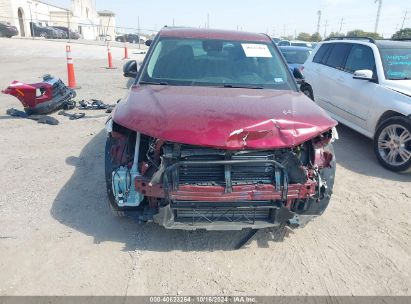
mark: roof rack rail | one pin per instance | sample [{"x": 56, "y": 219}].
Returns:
[
  {"x": 372, "y": 40},
  {"x": 401, "y": 39}
]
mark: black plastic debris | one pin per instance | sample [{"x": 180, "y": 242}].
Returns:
[
  {"x": 44, "y": 119},
  {"x": 95, "y": 104},
  {"x": 72, "y": 116}
]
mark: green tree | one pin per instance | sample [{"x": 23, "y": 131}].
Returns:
[
  {"x": 289, "y": 37},
  {"x": 304, "y": 36},
  {"x": 361, "y": 33},
  {"x": 336, "y": 34},
  {"x": 316, "y": 37},
  {"x": 402, "y": 34}
]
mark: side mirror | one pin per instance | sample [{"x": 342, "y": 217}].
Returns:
[
  {"x": 130, "y": 69},
  {"x": 298, "y": 75},
  {"x": 363, "y": 75},
  {"x": 149, "y": 42}
]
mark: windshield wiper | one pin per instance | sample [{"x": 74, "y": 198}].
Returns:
[
  {"x": 241, "y": 87},
  {"x": 154, "y": 83}
]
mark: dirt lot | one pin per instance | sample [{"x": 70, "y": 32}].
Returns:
[{"x": 57, "y": 236}]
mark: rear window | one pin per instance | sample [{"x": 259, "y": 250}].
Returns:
[
  {"x": 321, "y": 52},
  {"x": 295, "y": 56},
  {"x": 338, "y": 56}
]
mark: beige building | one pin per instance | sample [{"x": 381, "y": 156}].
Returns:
[{"x": 82, "y": 17}]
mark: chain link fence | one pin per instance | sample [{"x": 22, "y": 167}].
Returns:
[{"x": 61, "y": 25}]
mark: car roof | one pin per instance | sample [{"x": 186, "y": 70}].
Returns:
[
  {"x": 392, "y": 43},
  {"x": 295, "y": 48},
  {"x": 380, "y": 43},
  {"x": 185, "y": 32}
]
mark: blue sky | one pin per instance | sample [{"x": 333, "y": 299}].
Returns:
[{"x": 276, "y": 17}]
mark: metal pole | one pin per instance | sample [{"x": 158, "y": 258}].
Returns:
[
  {"x": 138, "y": 29},
  {"x": 319, "y": 21},
  {"x": 341, "y": 24},
  {"x": 377, "y": 21},
  {"x": 403, "y": 20},
  {"x": 31, "y": 21},
  {"x": 68, "y": 26}
]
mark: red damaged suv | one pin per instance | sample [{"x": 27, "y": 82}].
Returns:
[{"x": 215, "y": 134}]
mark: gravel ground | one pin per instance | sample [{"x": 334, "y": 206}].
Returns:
[{"x": 58, "y": 237}]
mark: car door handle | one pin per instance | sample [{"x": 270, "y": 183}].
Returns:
[{"x": 340, "y": 79}]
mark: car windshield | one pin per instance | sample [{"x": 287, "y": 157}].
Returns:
[
  {"x": 295, "y": 56},
  {"x": 397, "y": 63},
  {"x": 222, "y": 63}
]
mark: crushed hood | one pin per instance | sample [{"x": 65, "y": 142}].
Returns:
[{"x": 225, "y": 118}]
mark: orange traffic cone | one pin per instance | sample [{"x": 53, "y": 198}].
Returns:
[
  {"x": 110, "y": 58},
  {"x": 125, "y": 52},
  {"x": 70, "y": 69}
]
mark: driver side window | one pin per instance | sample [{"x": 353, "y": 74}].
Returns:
[{"x": 361, "y": 57}]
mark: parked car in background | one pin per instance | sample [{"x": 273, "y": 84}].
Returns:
[
  {"x": 284, "y": 43},
  {"x": 275, "y": 40},
  {"x": 7, "y": 30},
  {"x": 216, "y": 135},
  {"x": 105, "y": 37},
  {"x": 73, "y": 35},
  {"x": 295, "y": 43},
  {"x": 61, "y": 34},
  {"x": 366, "y": 85},
  {"x": 131, "y": 38},
  {"x": 295, "y": 56},
  {"x": 301, "y": 43},
  {"x": 38, "y": 30}
]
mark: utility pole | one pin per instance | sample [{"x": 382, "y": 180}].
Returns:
[
  {"x": 319, "y": 21},
  {"x": 285, "y": 28},
  {"x": 31, "y": 20},
  {"x": 208, "y": 21},
  {"x": 138, "y": 29},
  {"x": 325, "y": 29},
  {"x": 173, "y": 21},
  {"x": 341, "y": 25},
  {"x": 403, "y": 20},
  {"x": 68, "y": 25},
  {"x": 377, "y": 21}
]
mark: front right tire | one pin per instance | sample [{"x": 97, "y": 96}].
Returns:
[
  {"x": 308, "y": 91},
  {"x": 392, "y": 144}
]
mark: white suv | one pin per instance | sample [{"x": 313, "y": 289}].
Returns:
[{"x": 366, "y": 85}]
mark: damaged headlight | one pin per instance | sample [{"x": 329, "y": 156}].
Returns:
[
  {"x": 334, "y": 134},
  {"x": 109, "y": 125}
]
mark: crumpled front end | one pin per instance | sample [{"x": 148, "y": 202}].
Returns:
[{"x": 183, "y": 186}]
